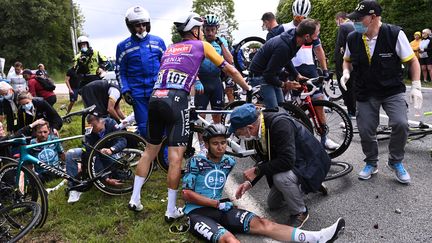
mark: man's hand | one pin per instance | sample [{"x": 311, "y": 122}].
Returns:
[
  {"x": 128, "y": 98},
  {"x": 292, "y": 85},
  {"x": 344, "y": 79},
  {"x": 301, "y": 77},
  {"x": 242, "y": 189},
  {"x": 249, "y": 174},
  {"x": 225, "y": 206},
  {"x": 56, "y": 133},
  {"x": 416, "y": 97},
  {"x": 199, "y": 87},
  {"x": 71, "y": 92},
  {"x": 326, "y": 75},
  {"x": 106, "y": 151},
  {"x": 219, "y": 41},
  {"x": 38, "y": 122}
]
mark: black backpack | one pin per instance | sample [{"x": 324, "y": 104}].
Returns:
[{"x": 46, "y": 83}]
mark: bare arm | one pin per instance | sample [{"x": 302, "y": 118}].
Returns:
[
  {"x": 67, "y": 79},
  {"x": 414, "y": 68},
  {"x": 231, "y": 71},
  {"x": 227, "y": 55},
  {"x": 193, "y": 197},
  {"x": 347, "y": 66},
  {"x": 120, "y": 112},
  {"x": 111, "y": 109},
  {"x": 319, "y": 52}
]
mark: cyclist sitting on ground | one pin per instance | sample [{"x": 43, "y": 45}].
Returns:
[
  {"x": 48, "y": 154},
  {"x": 295, "y": 164},
  {"x": 213, "y": 219},
  {"x": 276, "y": 54},
  {"x": 168, "y": 107},
  {"x": 209, "y": 87},
  {"x": 31, "y": 109},
  {"x": 304, "y": 61},
  {"x": 105, "y": 94},
  {"x": 100, "y": 128}
]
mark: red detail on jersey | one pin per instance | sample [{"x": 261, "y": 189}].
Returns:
[
  {"x": 161, "y": 93},
  {"x": 178, "y": 49}
]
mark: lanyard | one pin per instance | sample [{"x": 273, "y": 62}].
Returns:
[{"x": 367, "y": 48}]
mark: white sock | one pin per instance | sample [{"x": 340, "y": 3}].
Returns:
[
  {"x": 299, "y": 235},
  {"x": 136, "y": 193},
  {"x": 172, "y": 197}
]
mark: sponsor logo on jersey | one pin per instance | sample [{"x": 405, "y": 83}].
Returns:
[{"x": 177, "y": 49}]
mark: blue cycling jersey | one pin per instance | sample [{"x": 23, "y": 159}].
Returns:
[
  {"x": 206, "y": 177},
  {"x": 207, "y": 69}
]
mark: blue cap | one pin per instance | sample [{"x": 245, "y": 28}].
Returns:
[{"x": 242, "y": 116}]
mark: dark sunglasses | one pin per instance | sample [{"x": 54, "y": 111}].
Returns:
[{"x": 140, "y": 24}]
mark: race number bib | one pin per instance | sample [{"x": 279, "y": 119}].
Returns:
[{"x": 176, "y": 77}]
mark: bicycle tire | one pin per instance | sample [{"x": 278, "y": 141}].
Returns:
[
  {"x": 338, "y": 126},
  {"x": 125, "y": 170},
  {"x": 162, "y": 157},
  {"x": 33, "y": 189},
  {"x": 333, "y": 173},
  {"x": 12, "y": 215},
  {"x": 239, "y": 46}
]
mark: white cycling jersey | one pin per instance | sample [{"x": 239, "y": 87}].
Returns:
[{"x": 305, "y": 53}]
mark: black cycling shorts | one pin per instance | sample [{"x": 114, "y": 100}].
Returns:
[
  {"x": 213, "y": 94},
  {"x": 168, "y": 115},
  {"x": 210, "y": 223}
]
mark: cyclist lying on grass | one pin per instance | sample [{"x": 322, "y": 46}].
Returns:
[{"x": 215, "y": 220}]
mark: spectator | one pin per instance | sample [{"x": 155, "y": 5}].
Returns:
[
  {"x": 16, "y": 78},
  {"x": 73, "y": 83},
  {"x": 31, "y": 109},
  {"x": 100, "y": 128},
  {"x": 271, "y": 25},
  {"x": 9, "y": 107},
  {"x": 425, "y": 54},
  {"x": 89, "y": 63},
  {"x": 379, "y": 83},
  {"x": 415, "y": 44},
  {"x": 49, "y": 153},
  {"x": 36, "y": 87},
  {"x": 344, "y": 28},
  {"x": 106, "y": 96},
  {"x": 41, "y": 71}
]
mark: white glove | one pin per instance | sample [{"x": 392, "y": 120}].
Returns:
[
  {"x": 416, "y": 97},
  {"x": 345, "y": 77}
]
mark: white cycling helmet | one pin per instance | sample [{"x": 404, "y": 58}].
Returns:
[
  {"x": 187, "y": 22},
  {"x": 83, "y": 39},
  {"x": 301, "y": 8},
  {"x": 137, "y": 15}
]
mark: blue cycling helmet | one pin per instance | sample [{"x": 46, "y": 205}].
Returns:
[{"x": 211, "y": 20}]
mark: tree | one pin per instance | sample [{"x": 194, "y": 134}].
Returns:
[
  {"x": 222, "y": 8},
  {"x": 37, "y": 31}
]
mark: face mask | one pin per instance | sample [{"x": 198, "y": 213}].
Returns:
[
  {"x": 28, "y": 106},
  {"x": 84, "y": 49},
  {"x": 360, "y": 28},
  {"x": 8, "y": 96},
  {"x": 142, "y": 35}
]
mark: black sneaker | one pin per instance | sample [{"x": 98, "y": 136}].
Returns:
[{"x": 298, "y": 220}]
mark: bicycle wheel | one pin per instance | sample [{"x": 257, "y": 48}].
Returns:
[
  {"x": 162, "y": 157},
  {"x": 338, "y": 169},
  {"x": 338, "y": 126},
  {"x": 121, "y": 167},
  {"x": 17, "y": 220},
  {"x": 30, "y": 188},
  {"x": 243, "y": 52}
]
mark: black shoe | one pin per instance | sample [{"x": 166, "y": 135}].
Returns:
[
  {"x": 298, "y": 220},
  {"x": 323, "y": 189}
]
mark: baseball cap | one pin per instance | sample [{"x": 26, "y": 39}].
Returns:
[
  {"x": 27, "y": 71},
  {"x": 364, "y": 8},
  {"x": 242, "y": 116}
]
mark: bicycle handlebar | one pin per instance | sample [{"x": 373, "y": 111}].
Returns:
[{"x": 80, "y": 113}]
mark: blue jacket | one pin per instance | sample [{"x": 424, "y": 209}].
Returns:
[{"x": 137, "y": 64}]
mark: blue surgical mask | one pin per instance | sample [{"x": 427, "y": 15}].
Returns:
[
  {"x": 28, "y": 106},
  {"x": 360, "y": 28},
  {"x": 8, "y": 96},
  {"x": 84, "y": 49}
]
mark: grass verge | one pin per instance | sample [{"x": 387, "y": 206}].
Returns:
[{"x": 98, "y": 217}]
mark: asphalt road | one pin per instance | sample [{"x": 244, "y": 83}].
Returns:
[{"x": 377, "y": 210}]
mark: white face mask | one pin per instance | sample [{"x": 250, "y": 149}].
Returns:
[
  {"x": 8, "y": 96},
  {"x": 142, "y": 35}
]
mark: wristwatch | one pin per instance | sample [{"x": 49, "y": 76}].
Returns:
[
  {"x": 112, "y": 149},
  {"x": 257, "y": 170}
]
